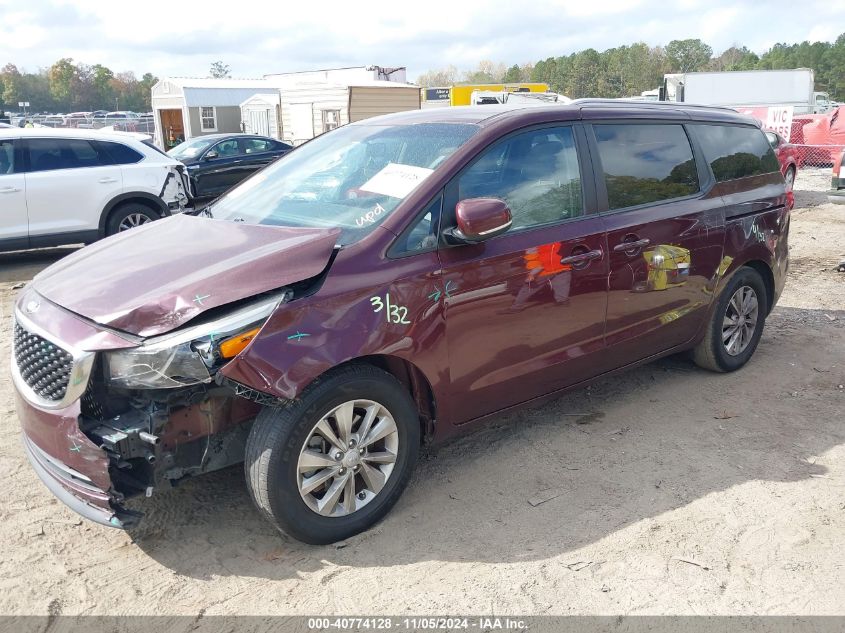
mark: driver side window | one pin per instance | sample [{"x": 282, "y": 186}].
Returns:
[
  {"x": 227, "y": 148},
  {"x": 536, "y": 173}
]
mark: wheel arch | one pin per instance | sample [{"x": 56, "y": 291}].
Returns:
[
  {"x": 768, "y": 276},
  {"x": 147, "y": 199},
  {"x": 413, "y": 379},
  {"x": 762, "y": 267}
]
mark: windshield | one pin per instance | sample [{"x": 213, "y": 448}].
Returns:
[
  {"x": 190, "y": 149},
  {"x": 351, "y": 178}
]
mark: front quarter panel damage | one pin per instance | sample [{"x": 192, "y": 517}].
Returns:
[{"x": 399, "y": 314}]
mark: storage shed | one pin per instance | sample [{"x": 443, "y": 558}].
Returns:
[
  {"x": 261, "y": 114},
  {"x": 293, "y": 107},
  {"x": 310, "y": 109},
  {"x": 185, "y": 107}
]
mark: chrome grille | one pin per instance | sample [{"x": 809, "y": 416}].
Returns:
[{"x": 44, "y": 367}]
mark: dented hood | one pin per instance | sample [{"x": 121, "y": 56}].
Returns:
[{"x": 156, "y": 277}]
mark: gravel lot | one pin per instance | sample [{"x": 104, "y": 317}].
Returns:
[{"x": 671, "y": 491}]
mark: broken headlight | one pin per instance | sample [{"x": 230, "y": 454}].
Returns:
[{"x": 189, "y": 356}]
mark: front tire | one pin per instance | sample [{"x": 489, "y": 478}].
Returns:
[
  {"x": 736, "y": 325},
  {"x": 333, "y": 462}
]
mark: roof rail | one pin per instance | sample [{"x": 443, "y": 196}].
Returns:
[{"x": 658, "y": 104}]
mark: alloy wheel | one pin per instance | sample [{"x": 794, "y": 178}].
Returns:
[
  {"x": 347, "y": 458},
  {"x": 132, "y": 220},
  {"x": 740, "y": 320}
]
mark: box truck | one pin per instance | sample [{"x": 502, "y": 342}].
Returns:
[{"x": 749, "y": 88}]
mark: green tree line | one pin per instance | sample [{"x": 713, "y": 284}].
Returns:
[
  {"x": 67, "y": 86},
  {"x": 626, "y": 71}
]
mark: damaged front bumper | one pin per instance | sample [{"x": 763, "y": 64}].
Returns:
[
  {"x": 96, "y": 444},
  {"x": 60, "y": 458},
  {"x": 76, "y": 491}
]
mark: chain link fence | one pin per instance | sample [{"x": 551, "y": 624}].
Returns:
[
  {"x": 817, "y": 141},
  {"x": 816, "y": 156},
  {"x": 121, "y": 123}
]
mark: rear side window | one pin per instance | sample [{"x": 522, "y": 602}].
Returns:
[
  {"x": 255, "y": 145},
  {"x": 7, "y": 156},
  {"x": 735, "y": 151},
  {"x": 46, "y": 154},
  {"x": 120, "y": 153},
  {"x": 645, "y": 163}
]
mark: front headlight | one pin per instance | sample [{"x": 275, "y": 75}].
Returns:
[
  {"x": 166, "y": 368},
  {"x": 189, "y": 356}
]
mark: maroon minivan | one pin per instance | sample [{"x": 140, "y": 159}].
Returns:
[{"x": 388, "y": 284}]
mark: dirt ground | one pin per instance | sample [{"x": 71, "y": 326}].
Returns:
[{"x": 670, "y": 491}]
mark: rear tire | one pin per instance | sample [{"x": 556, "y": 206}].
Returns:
[
  {"x": 129, "y": 215},
  {"x": 288, "y": 452},
  {"x": 736, "y": 324}
]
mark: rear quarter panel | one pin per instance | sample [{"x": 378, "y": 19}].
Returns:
[
  {"x": 756, "y": 228},
  {"x": 147, "y": 177}
]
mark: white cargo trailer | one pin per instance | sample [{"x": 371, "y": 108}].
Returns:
[{"x": 749, "y": 88}]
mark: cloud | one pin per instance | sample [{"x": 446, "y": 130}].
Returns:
[{"x": 183, "y": 38}]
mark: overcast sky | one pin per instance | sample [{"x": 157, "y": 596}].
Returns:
[{"x": 173, "y": 37}]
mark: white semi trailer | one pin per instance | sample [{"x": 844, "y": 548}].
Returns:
[{"x": 749, "y": 88}]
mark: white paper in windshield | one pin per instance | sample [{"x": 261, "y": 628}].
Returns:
[{"x": 396, "y": 180}]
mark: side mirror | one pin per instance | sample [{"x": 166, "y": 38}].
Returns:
[
  {"x": 211, "y": 155},
  {"x": 479, "y": 219}
]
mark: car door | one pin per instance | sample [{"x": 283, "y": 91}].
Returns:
[
  {"x": 221, "y": 168},
  {"x": 665, "y": 234},
  {"x": 525, "y": 310},
  {"x": 69, "y": 181},
  {"x": 14, "y": 221}
]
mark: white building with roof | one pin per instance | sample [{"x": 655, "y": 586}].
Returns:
[
  {"x": 185, "y": 107},
  {"x": 293, "y": 107}
]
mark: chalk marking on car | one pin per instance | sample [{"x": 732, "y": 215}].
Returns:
[
  {"x": 394, "y": 313},
  {"x": 447, "y": 290}
]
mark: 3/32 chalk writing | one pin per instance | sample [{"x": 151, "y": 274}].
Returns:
[{"x": 393, "y": 313}]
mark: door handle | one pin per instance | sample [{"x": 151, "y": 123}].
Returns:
[
  {"x": 624, "y": 247},
  {"x": 106, "y": 181},
  {"x": 9, "y": 190},
  {"x": 580, "y": 258}
]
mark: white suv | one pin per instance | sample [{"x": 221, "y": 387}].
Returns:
[{"x": 72, "y": 186}]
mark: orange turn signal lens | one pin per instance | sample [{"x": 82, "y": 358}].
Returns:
[{"x": 231, "y": 347}]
